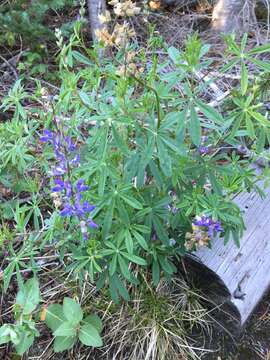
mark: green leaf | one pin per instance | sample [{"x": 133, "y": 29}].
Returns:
[
  {"x": 129, "y": 242},
  {"x": 124, "y": 267},
  {"x": 54, "y": 316},
  {"x": 118, "y": 284},
  {"x": 89, "y": 336},
  {"x": 259, "y": 117},
  {"x": 260, "y": 143},
  {"x": 62, "y": 343},
  {"x": 194, "y": 127},
  {"x": 265, "y": 65},
  {"x": 140, "y": 239},
  {"x": 65, "y": 329},
  {"x": 166, "y": 266},
  {"x": 95, "y": 321},
  {"x": 165, "y": 160},
  {"x": 81, "y": 58},
  {"x": 26, "y": 340},
  {"x": 260, "y": 49},
  {"x": 113, "y": 265},
  {"x": 85, "y": 99},
  {"x": 5, "y": 333},
  {"x": 107, "y": 223},
  {"x": 72, "y": 310},
  {"x": 169, "y": 120},
  {"x": 131, "y": 201},
  {"x": 155, "y": 272},
  {"x": 119, "y": 141},
  {"x": 210, "y": 112},
  {"x": 134, "y": 258},
  {"x": 174, "y": 54},
  {"x": 250, "y": 127},
  {"x": 29, "y": 296},
  {"x": 244, "y": 78}
]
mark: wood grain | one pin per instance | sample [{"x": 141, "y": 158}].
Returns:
[{"x": 247, "y": 266}]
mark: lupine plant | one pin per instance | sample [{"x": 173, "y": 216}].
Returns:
[
  {"x": 134, "y": 166},
  {"x": 158, "y": 162}
]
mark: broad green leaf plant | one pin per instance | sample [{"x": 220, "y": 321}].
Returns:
[{"x": 66, "y": 321}]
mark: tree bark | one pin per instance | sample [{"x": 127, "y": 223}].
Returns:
[
  {"x": 96, "y": 8},
  {"x": 233, "y": 16}
]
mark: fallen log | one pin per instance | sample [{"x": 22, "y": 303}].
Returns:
[{"x": 237, "y": 277}]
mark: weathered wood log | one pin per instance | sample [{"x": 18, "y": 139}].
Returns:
[
  {"x": 233, "y": 16},
  {"x": 239, "y": 276}
]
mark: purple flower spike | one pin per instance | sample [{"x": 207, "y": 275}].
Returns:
[
  {"x": 60, "y": 185},
  {"x": 47, "y": 136},
  {"x": 66, "y": 159},
  {"x": 68, "y": 188},
  {"x": 80, "y": 186},
  {"x": 70, "y": 145},
  {"x": 67, "y": 210}
]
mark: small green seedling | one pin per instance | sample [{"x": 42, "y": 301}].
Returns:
[
  {"x": 23, "y": 332},
  {"x": 68, "y": 325}
]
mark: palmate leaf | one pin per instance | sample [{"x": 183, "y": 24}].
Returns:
[
  {"x": 165, "y": 160},
  {"x": 140, "y": 239},
  {"x": 128, "y": 242},
  {"x": 210, "y": 112},
  {"x": 117, "y": 288},
  {"x": 124, "y": 267},
  {"x": 119, "y": 141},
  {"x": 131, "y": 201},
  {"x": 107, "y": 223},
  {"x": 244, "y": 78}
]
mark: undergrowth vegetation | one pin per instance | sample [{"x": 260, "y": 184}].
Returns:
[{"x": 113, "y": 176}]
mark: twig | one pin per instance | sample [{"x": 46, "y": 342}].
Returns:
[{"x": 10, "y": 66}]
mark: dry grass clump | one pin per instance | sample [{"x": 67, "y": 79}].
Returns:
[{"x": 159, "y": 324}]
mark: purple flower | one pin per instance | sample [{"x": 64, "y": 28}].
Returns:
[
  {"x": 80, "y": 186},
  {"x": 209, "y": 224},
  {"x": 67, "y": 210},
  {"x": 47, "y": 136},
  {"x": 203, "y": 221},
  {"x": 92, "y": 224},
  {"x": 76, "y": 160},
  {"x": 59, "y": 185},
  {"x": 70, "y": 145},
  {"x": 87, "y": 207},
  {"x": 60, "y": 169},
  {"x": 203, "y": 150}
]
